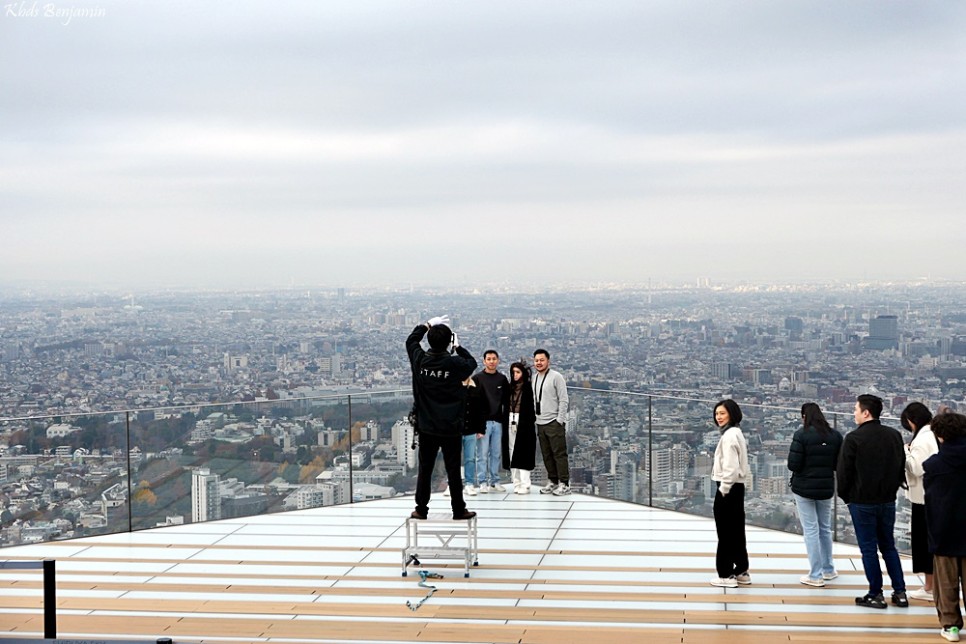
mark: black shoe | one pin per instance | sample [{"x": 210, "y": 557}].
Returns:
[
  {"x": 418, "y": 515},
  {"x": 464, "y": 515},
  {"x": 900, "y": 600},
  {"x": 872, "y": 601}
]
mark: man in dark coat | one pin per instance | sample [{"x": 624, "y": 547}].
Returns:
[
  {"x": 945, "y": 482},
  {"x": 870, "y": 470},
  {"x": 440, "y": 396}
]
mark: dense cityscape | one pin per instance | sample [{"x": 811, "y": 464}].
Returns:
[{"x": 226, "y": 404}]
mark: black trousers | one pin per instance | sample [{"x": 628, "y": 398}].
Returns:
[
  {"x": 429, "y": 447},
  {"x": 921, "y": 557},
  {"x": 729, "y": 521}
]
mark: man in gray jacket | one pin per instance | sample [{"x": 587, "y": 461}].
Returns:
[{"x": 550, "y": 402}]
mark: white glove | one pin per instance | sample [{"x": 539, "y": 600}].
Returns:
[
  {"x": 456, "y": 340},
  {"x": 439, "y": 319}
]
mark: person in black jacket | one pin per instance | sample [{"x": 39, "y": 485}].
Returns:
[
  {"x": 440, "y": 410},
  {"x": 870, "y": 470},
  {"x": 520, "y": 440},
  {"x": 945, "y": 481},
  {"x": 812, "y": 457}
]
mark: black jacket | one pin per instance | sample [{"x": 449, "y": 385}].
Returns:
[
  {"x": 945, "y": 482},
  {"x": 812, "y": 458},
  {"x": 475, "y": 414},
  {"x": 871, "y": 464},
  {"x": 438, "y": 385},
  {"x": 525, "y": 445}
]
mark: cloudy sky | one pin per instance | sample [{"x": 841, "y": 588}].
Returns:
[{"x": 234, "y": 143}]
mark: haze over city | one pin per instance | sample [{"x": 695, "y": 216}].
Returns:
[{"x": 253, "y": 144}]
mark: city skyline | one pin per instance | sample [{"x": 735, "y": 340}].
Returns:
[{"x": 258, "y": 146}]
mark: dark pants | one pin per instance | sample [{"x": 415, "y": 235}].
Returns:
[
  {"x": 921, "y": 559},
  {"x": 949, "y": 576},
  {"x": 875, "y": 527},
  {"x": 553, "y": 446},
  {"x": 429, "y": 447},
  {"x": 729, "y": 522}
]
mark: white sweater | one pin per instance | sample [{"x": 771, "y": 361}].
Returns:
[
  {"x": 922, "y": 447},
  {"x": 730, "y": 460}
]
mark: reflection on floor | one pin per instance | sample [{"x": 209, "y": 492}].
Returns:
[{"x": 552, "y": 569}]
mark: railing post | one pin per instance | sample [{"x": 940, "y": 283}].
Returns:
[
  {"x": 835, "y": 495},
  {"x": 351, "y": 493},
  {"x": 50, "y": 600},
  {"x": 650, "y": 454},
  {"x": 130, "y": 474}
]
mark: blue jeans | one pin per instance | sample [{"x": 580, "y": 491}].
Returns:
[
  {"x": 490, "y": 457},
  {"x": 816, "y": 519},
  {"x": 874, "y": 527},
  {"x": 469, "y": 459}
]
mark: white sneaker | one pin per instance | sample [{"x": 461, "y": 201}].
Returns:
[
  {"x": 484, "y": 488},
  {"x": 561, "y": 490},
  {"x": 808, "y": 581},
  {"x": 446, "y": 491},
  {"x": 950, "y": 634},
  {"x": 829, "y": 576},
  {"x": 744, "y": 579},
  {"x": 725, "y": 582},
  {"x": 921, "y": 594},
  {"x": 522, "y": 489},
  {"x": 498, "y": 488},
  {"x": 548, "y": 488},
  {"x": 469, "y": 490}
]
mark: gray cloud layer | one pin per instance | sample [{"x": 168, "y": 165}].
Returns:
[{"x": 320, "y": 142}]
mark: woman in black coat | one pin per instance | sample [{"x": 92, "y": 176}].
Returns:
[
  {"x": 812, "y": 457},
  {"x": 520, "y": 439}
]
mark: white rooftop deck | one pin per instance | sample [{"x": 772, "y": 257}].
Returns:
[{"x": 552, "y": 569}]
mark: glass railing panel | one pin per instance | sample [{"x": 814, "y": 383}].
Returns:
[
  {"x": 218, "y": 462},
  {"x": 616, "y": 439},
  {"x": 383, "y": 463},
  {"x": 678, "y": 463},
  {"x": 63, "y": 477},
  {"x": 608, "y": 445}
]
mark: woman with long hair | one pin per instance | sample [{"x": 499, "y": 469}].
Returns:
[
  {"x": 916, "y": 418},
  {"x": 730, "y": 472},
  {"x": 520, "y": 439},
  {"x": 812, "y": 458}
]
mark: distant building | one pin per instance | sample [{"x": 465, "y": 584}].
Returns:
[
  {"x": 233, "y": 363},
  {"x": 883, "y": 333},
  {"x": 725, "y": 371},
  {"x": 60, "y": 430},
  {"x": 205, "y": 496},
  {"x": 322, "y": 494},
  {"x": 402, "y": 440}
]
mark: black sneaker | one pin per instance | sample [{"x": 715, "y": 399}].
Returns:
[
  {"x": 900, "y": 600},
  {"x": 464, "y": 515},
  {"x": 871, "y": 601}
]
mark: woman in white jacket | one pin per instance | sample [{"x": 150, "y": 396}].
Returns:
[
  {"x": 730, "y": 472},
  {"x": 916, "y": 418}
]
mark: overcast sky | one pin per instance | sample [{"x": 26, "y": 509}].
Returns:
[{"x": 233, "y": 143}]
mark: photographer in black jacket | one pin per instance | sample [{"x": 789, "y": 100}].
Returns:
[{"x": 440, "y": 395}]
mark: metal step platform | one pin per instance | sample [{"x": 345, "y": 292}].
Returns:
[{"x": 439, "y": 536}]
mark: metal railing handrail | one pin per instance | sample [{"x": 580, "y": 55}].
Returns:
[{"x": 335, "y": 396}]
